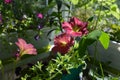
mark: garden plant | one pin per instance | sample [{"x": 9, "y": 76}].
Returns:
[{"x": 49, "y": 39}]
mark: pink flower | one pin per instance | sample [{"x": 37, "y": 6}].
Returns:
[
  {"x": 7, "y": 1},
  {"x": 39, "y": 15},
  {"x": 75, "y": 27},
  {"x": 62, "y": 43},
  {"x": 25, "y": 48}
]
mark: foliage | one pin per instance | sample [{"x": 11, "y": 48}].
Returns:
[
  {"x": 102, "y": 14},
  {"x": 76, "y": 24}
]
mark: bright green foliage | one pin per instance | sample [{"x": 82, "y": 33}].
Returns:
[
  {"x": 115, "y": 11},
  {"x": 20, "y": 16},
  {"x": 115, "y": 32},
  {"x": 104, "y": 39},
  {"x": 74, "y": 1}
]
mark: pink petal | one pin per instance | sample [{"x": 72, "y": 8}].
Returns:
[
  {"x": 39, "y": 15},
  {"x": 25, "y": 48},
  {"x": 21, "y": 43},
  {"x": 75, "y": 27},
  {"x": 66, "y": 26},
  {"x": 62, "y": 50}
]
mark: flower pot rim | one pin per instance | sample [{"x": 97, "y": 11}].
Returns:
[{"x": 115, "y": 42}]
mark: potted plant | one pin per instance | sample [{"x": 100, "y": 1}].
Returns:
[
  {"x": 64, "y": 56},
  {"x": 103, "y": 16}
]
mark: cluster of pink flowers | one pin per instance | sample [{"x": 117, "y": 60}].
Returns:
[
  {"x": 25, "y": 48},
  {"x": 72, "y": 28},
  {"x": 63, "y": 42}
]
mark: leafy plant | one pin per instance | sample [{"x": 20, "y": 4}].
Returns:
[{"x": 76, "y": 24}]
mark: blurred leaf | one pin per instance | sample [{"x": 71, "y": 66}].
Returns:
[
  {"x": 67, "y": 5},
  {"x": 54, "y": 14},
  {"x": 74, "y": 1},
  {"x": 91, "y": 18},
  {"x": 94, "y": 35},
  {"x": 104, "y": 39},
  {"x": 59, "y": 4},
  {"x": 88, "y": 40},
  {"x": 115, "y": 11},
  {"x": 115, "y": 14},
  {"x": 114, "y": 7}
]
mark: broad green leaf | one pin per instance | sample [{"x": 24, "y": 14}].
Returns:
[
  {"x": 88, "y": 40},
  {"x": 94, "y": 35},
  {"x": 115, "y": 14},
  {"x": 104, "y": 39},
  {"x": 74, "y": 1}
]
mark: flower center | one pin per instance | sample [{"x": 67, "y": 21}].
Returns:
[
  {"x": 76, "y": 28},
  {"x": 63, "y": 43}
]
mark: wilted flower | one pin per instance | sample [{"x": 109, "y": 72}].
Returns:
[
  {"x": 39, "y": 15},
  {"x": 7, "y": 1},
  {"x": 25, "y": 48},
  {"x": 75, "y": 27},
  {"x": 62, "y": 43}
]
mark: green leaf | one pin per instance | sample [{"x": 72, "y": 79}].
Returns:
[
  {"x": 114, "y": 7},
  {"x": 115, "y": 14},
  {"x": 90, "y": 19},
  {"x": 104, "y": 39},
  {"x": 88, "y": 40},
  {"x": 59, "y": 4},
  {"x": 74, "y": 1},
  {"x": 115, "y": 11},
  {"x": 94, "y": 35}
]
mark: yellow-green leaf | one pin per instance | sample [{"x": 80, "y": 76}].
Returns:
[
  {"x": 74, "y": 1},
  {"x": 104, "y": 39}
]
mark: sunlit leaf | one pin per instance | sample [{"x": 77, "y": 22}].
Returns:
[
  {"x": 94, "y": 35},
  {"x": 104, "y": 39},
  {"x": 115, "y": 11},
  {"x": 115, "y": 14},
  {"x": 74, "y": 1}
]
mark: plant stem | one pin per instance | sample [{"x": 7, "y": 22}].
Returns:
[
  {"x": 2, "y": 70},
  {"x": 98, "y": 15},
  {"x": 60, "y": 21},
  {"x": 101, "y": 70},
  {"x": 54, "y": 75}
]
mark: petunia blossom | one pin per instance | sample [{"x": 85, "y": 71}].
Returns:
[
  {"x": 75, "y": 27},
  {"x": 39, "y": 15},
  {"x": 62, "y": 43},
  {"x": 25, "y": 48},
  {"x": 7, "y": 1}
]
